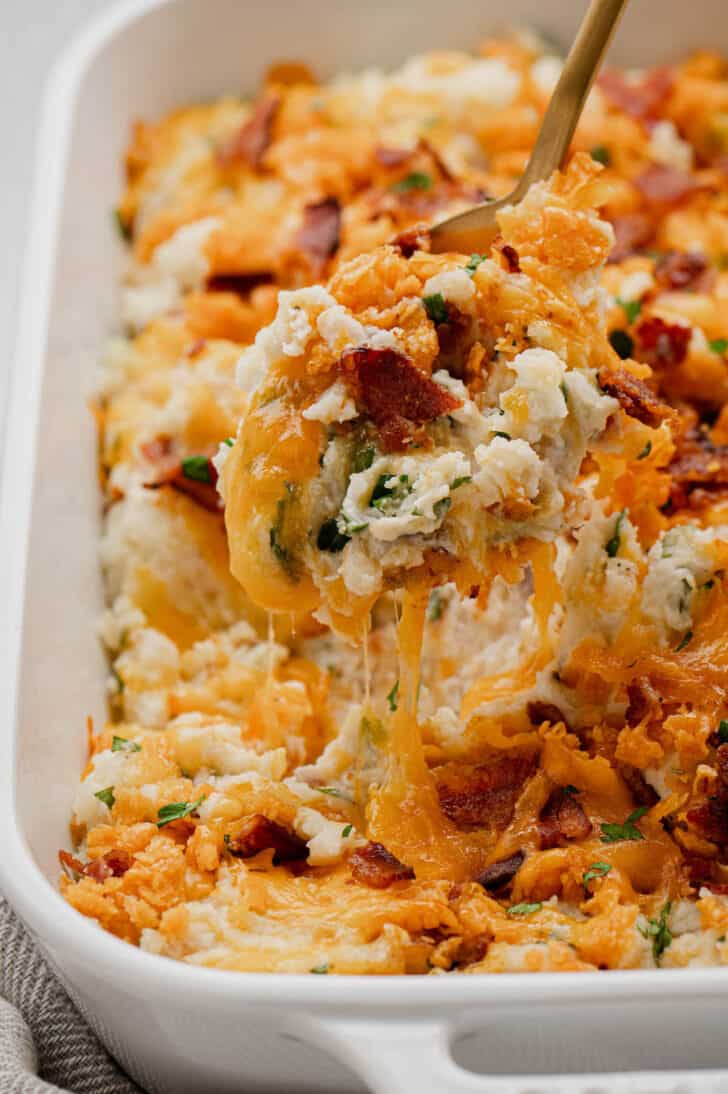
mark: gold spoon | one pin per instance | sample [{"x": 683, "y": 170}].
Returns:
[{"x": 475, "y": 229}]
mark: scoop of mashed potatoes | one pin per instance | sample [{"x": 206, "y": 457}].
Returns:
[{"x": 421, "y": 411}]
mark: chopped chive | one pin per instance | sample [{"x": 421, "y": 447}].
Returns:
[{"x": 106, "y": 796}]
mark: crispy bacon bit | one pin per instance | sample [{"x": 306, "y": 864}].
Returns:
[
  {"x": 393, "y": 157},
  {"x": 710, "y": 817},
  {"x": 698, "y": 467},
  {"x": 685, "y": 271},
  {"x": 456, "y": 339},
  {"x": 500, "y": 874},
  {"x": 251, "y": 142},
  {"x": 668, "y": 185},
  {"x": 642, "y": 792},
  {"x": 511, "y": 256},
  {"x": 562, "y": 820},
  {"x": 394, "y": 393},
  {"x": 203, "y": 493},
  {"x": 643, "y": 700},
  {"x": 539, "y": 712},
  {"x": 482, "y": 795},
  {"x": 661, "y": 344},
  {"x": 240, "y": 284},
  {"x": 416, "y": 238},
  {"x": 641, "y": 100},
  {"x": 634, "y": 396},
  {"x": 320, "y": 234},
  {"x": 374, "y": 866},
  {"x": 261, "y": 834},
  {"x": 632, "y": 232},
  {"x": 111, "y": 864}
]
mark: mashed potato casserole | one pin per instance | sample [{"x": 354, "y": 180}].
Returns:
[{"x": 417, "y": 604}]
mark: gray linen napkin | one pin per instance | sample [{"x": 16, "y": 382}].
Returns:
[{"x": 45, "y": 1045}]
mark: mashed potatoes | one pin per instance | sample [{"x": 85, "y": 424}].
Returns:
[{"x": 532, "y": 442}]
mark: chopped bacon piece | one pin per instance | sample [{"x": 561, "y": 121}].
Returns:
[
  {"x": 687, "y": 271},
  {"x": 539, "y": 712},
  {"x": 201, "y": 492},
  {"x": 456, "y": 338},
  {"x": 111, "y": 864},
  {"x": 320, "y": 234},
  {"x": 394, "y": 393},
  {"x": 393, "y": 157},
  {"x": 698, "y": 465},
  {"x": 416, "y": 238},
  {"x": 562, "y": 820},
  {"x": 632, "y": 232},
  {"x": 500, "y": 874},
  {"x": 663, "y": 184},
  {"x": 240, "y": 284},
  {"x": 511, "y": 256},
  {"x": 642, "y": 792},
  {"x": 634, "y": 396},
  {"x": 482, "y": 795},
  {"x": 641, "y": 100},
  {"x": 374, "y": 866},
  {"x": 261, "y": 834},
  {"x": 251, "y": 142},
  {"x": 643, "y": 699},
  {"x": 710, "y": 817},
  {"x": 661, "y": 344}
]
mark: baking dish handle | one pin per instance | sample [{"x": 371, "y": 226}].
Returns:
[{"x": 395, "y": 1057}]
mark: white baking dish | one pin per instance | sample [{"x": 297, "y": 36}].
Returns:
[{"x": 175, "y": 1027}]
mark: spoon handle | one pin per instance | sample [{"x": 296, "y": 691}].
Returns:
[{"x": 567, "y": 101}]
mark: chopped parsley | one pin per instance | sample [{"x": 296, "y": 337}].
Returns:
[
  {"x": 435, "y": 606},
  {"x": 392, "y": 696},
  {"x": 645, "y": 451},
  {"x": 719, "y": 345},
  {"x": 621, "y": 343},
  {"x": 632, "y": 308},
  {"x": 613, "y": 544},
  {"x": 197, "y": 468},
  {"x": 473, "y": 263},
  {"x": 362, "y": 460},
  {"x": 597, "y": 869},
  {"x": 229, "y": 441},
  {"x": 276, "y": 536},
  {"x": 122, "y": 226},
  {"x": 383, "y": 492},
  {"x": 659, "y": 932},
  {"x": 329, "y": 537},
  {"x": 106, "y": 796},
  {"x": 723, "y": 731},
  {"x": 346, "y": 832},
  {"x": 436, "y": 308},
  {"x": 123, "y": 744},
  {"x": 686, "y": 638},
  {"x": 613, "y": 833},
  {"x": 177, "y": 811},
  {"x": 441, "y": 507},
  {"x": 524, "y": 909},
  {"x": 461, "y": 480},
  {"x": 332, "y": 792},
  {"x": 320, "y": 970},
  {"x": 600, "y": 153},
  {"x": 416, "y": 180}
]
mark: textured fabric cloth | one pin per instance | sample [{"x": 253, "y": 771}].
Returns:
[{"x": 45, "y": 1044}]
